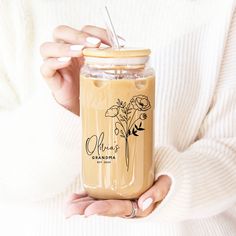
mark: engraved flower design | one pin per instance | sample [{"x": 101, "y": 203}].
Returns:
[
  {"x": 129, "y": 119},
  {"x": 112, "y": 111},
  {"x": 140, "y": 103},
  {"x": 143, "y": 116}
]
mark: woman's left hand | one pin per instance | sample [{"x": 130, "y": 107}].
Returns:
[{"x": 82, "y": 204}]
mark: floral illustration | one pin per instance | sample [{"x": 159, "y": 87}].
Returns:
[{"x": 126, "y": 122}]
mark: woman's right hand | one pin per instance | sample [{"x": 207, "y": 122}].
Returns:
[{"x": 63, "y": 59}]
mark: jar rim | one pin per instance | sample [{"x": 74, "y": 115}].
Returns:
[
  {"x": 109, "y": 52},
  {"x": 114, "y": 62}
]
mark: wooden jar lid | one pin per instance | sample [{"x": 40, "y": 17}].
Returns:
[{"x": 116, "y": 53}]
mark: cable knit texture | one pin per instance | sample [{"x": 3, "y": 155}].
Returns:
[{"x": 193, "y": 46}]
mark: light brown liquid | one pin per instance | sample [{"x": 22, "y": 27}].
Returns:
[{"x": 117, "y": 143}]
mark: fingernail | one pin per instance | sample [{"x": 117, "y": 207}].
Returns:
[
  {"x": 147, "y": 203},
  {"x": 64, "y": 59},
  {"x": 93, "y": 40},
  {"x": 76, "y": 47}
]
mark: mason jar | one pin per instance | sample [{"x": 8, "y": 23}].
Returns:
[{"x": 117, "y": 95}]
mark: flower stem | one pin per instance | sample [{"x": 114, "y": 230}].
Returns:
[
  {"x": 133, "y": 123},
  {"x": 127, "y": 153},
  {"x": 132, "y": 119},
  {"x": 121, "y": 124}
]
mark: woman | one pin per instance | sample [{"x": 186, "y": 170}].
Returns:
[{"x": 193, "y": 48}]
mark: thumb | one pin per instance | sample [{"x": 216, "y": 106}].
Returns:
[{"x": 156, "y": 193}]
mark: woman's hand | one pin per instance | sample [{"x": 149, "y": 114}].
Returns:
[
  {"x": 82, "y": 204},
  {"x": 63, "y": 60}
]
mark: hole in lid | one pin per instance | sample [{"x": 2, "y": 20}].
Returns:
[{"x": 140, "y": 84}]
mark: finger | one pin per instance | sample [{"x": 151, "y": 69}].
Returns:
[
  {"x": 139, "y": 211},
  {"x": 51, "y": 65},
  {"x": 49, "y": 71},
  {"x": 83, "y": 199},
  {"x": 115, "y": 208},
  {"x": 67, "y": 34},
  {"x": 77, "y": 208},
  {"x": 156, "y": 193},
  {"x": 76, "y": 196},
  {"x": 98, "y": 32},
  {"x": 51, "y": 49},
  {"x": 109, "y": 208},
  {"x": 102, "y": 34}
]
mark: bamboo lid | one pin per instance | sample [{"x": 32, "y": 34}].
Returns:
[{"x": 116, "y": 53}]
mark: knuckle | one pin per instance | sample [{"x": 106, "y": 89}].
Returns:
[
  {"x": 58, "y": 30},
  {"x": 86, "y": 28},
  {"x": 71, "y": 198},
  {"x": 42, "y": 48},
  {"x": 79, "y": 36},
  {"x": 45, "y": 68}
]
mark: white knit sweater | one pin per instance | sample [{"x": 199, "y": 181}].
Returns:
[{"x": 193, "y": 46}]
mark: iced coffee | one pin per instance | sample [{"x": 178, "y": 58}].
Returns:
[{"x": 117, "y": 95}]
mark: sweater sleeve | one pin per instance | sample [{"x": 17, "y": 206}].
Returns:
[
  {"x": 39, "y": 139},
  {"x": 40, "y": 149},
  {"x": 204, "y": 175}
]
